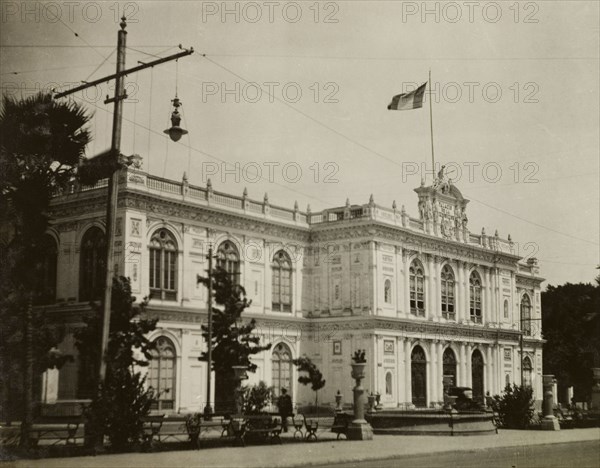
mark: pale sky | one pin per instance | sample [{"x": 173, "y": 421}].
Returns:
[{"x": 515, "y": 114}]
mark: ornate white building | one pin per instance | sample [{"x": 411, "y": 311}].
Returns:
[{"x": 431, "y": 303}]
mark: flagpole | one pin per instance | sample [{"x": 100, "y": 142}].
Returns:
[{"x": 431, "y": 126}]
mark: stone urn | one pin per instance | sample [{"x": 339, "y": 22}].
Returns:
[
  {"x": 371, "y": 399},
  {"x": 358, "y": 371}
]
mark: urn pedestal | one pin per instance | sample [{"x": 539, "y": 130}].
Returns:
[
  {"x": 359, "y": 428},
  {"x": 549, "y": 423}
]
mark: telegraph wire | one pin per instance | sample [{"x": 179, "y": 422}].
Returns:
[
  {"x": 393, "y": 161},
  {"x": 204, "y": 153}
]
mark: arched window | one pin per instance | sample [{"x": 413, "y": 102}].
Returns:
[
  {"x": 46, "y": 271},
  {"x": 507, "y": 380},
  {"x": 387, "y": 291},
  {"x": 505, "y": 308},
  {"x": 527, "y": 368},
  {"x": 449, "y": 369},
  {"x": 281, "y": 274},
  {"x": 163, "y": 265},
  {"x": 389, "y": 389},
  {"x": 417, "y": 289},
  {"x": 447, "y": 279},
  {"x": 228, "y": 258},
  {"x": 526, "y": 315},
  {"x": 281, "y": 362},
  {"x": 161, "y": 373},
  {"x": 475, "y": 297},
  {"x": 92, "y": 265}
]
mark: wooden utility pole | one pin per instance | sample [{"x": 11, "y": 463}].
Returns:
[
  {"x": 208, "y": 408},
  {"x": 114, "y": 161},
  {"x": 113, "y": 194}
]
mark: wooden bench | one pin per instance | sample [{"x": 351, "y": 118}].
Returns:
[
  {"x": 162, "y": 428},
  {"x": 337, "y": 423},
  {"x": 56, "y": 429},
  {"x": 341, "y": 423},
  {"x": 263, "y": 426},
  {"x": 298, "y": 423}
]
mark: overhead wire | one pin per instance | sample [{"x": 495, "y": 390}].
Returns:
[{"x": 360, "y": 145}]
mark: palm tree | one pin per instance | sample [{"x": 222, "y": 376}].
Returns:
[{"x": 41, "y": 144}]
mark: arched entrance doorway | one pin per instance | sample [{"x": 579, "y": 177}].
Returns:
[
  {"x": 449, "y": 369},
  {"x": 477, "y": 376},
  {"x": 418, "y": 373}
]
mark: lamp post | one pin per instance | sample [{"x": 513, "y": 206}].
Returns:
[{"x": 208, "y": 408}]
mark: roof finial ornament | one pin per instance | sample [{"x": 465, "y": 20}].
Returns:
[
  {"x": 371, "y": 200},
  {"x": 394, "y": 206},
  {"x": 347, "y": 202}
]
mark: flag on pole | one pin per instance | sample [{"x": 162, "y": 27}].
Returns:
[{"x": 408, "y": 101}]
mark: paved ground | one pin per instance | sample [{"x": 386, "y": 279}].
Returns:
[
  {"x": 327, "y": 451},
  {"x": 574, "y": 454}
]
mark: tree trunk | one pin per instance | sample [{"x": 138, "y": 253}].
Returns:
[{"x": 27, "y": 418}]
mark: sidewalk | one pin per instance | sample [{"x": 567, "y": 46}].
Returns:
[{"x": 326, "y": 451}]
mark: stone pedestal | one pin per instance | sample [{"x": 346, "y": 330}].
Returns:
[
  {"x": 549, "y": 423},
  {"x": 359, "y": 428}
]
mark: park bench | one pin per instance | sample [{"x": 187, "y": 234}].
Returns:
[
  {"x": 56, "y": 430},
  {"x": 255, "y": 427},
  {"x": 161, "y": 428},
  {"x": 337, "y": 423}
]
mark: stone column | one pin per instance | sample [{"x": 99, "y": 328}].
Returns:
[
  {"x": 487, "y": 310},
  {"x": 489, "y": 370},
  {"x": 432, "y": 371},
  {"x": 438, "y": 288},
  {"x": 463, "y": 366},
  {"x": 460, "y": 299},
  {"x": 430, "y": 307},
  {"x": 407, "y": 373},
  {"x": 549, "y": 423},
  {"x": 406, "y": 266},
  {"x": 466, "y": 314},
  {"x": 440, "y": 372},
  {"x": 469, "y": 350}
]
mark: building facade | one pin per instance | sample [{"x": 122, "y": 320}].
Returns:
[{"x": 433, "y": 304}]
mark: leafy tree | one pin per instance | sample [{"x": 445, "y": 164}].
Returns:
[
  {"x": 514, "y": 407},
  {"x": 314, "y": 376},
  {"x": 123, "y": 399},
  {"x": 233, "y": 341},
  {"x": 257, "y": 398},
  {"x": 571, "y": 326},
  {"x": 41, "y": 143}
]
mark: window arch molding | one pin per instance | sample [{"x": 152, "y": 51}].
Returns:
[
  {"x": 525, "y": 307},
  {"x": 163, "y": 371},
  {"x": 228, "y": 255},
  {"x": 417, "y": 286},
  {"x": 282, "y": 369},
  {"x": 164, "y": 263},
  {"x": 387, "y": 291},
  {"x": 424, "y": 347},
  {"x": 282, "y": 290},
  {"x": 448, "y": 291},
  {"x": 475, "y": 296},
  {"x": 92, "y": 259}
]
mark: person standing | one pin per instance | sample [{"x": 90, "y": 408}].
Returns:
[{"x": 284, "y": 403}]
